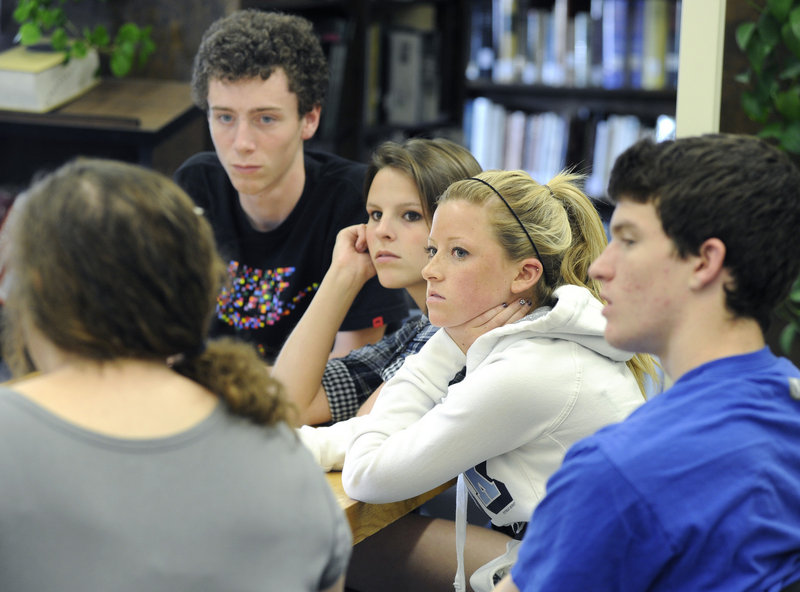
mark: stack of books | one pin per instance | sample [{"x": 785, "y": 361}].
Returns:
[{"x": 39, "y": 80}]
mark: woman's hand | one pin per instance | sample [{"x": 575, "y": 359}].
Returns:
[
  {"x": 465, "y": 335},
  {"x": 350, "y": 257}
]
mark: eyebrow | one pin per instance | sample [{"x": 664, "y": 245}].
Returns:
[
  {"x": 407, "y": 204},
  {"x": 254, "y": 111},
  {"x": 617, "y": 227}
]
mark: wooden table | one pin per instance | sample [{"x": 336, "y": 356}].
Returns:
[
  {"x": 367, "y": 519},
  {"x": 151, "y": 122}
]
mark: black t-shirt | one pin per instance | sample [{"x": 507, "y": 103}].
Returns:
[{"x": 275, "y": 274}]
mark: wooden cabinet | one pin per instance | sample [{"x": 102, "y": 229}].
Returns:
[{"x": 150, "y": 122}]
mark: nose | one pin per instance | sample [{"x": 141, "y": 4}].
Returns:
[
  {"x": 600, "y": 269},
  {"x": 243, "y": 138},
  {"x": 384, "y": 228},
  {"x": 430, "y": 271}
]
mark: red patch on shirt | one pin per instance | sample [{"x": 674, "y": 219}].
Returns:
[{"x": 377, "y": 322}]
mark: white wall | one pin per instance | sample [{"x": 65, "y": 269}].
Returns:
[{"x": 700, "y": 66}]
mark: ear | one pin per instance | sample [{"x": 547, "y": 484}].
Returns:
[
  {"x": 528, "y": 273},
  {"x": 709, "y": 263},
  {"x": 310, "y": 122}
]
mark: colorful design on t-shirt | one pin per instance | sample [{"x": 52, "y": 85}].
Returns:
[{"x": 255, "y": 298}]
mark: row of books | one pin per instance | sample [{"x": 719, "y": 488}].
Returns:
[
  {"x": 543, "y": 144},
  {"x": 613, "y": 44}
]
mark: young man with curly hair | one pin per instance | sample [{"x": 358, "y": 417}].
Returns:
[{"x": 275, "y": 207}]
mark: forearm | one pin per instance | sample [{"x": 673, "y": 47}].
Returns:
[
  {"x": 301, "y": 362},
  {"x": 402, "y": 427}
]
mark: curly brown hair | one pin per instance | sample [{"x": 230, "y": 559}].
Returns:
[{"x": 252, "y": 43}]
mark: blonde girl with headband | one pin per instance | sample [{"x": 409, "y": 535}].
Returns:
[
  {"x": 142, "y": 455},
  {"x": 532, "y": 387}
]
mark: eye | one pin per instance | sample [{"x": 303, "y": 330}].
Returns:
[
  {"x": 375, "y": 215},
  {"x": 431, "y": 251},
  {"x": 266, "y": 119},
  {"x": 412, "y": 216},
  {"x": 225, "y": 118},
  {"x": 459, "y": 253}
]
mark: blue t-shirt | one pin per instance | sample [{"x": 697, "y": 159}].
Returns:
[{"x": 699, "y": 489}]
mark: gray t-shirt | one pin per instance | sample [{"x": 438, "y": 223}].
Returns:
[{"x": 225, "y": 506}]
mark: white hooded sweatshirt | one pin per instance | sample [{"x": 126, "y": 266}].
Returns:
[{"x": 532, "y": 389}]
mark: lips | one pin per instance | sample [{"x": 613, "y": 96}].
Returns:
[
  {"x": 434, "y": 297},
  {"x": 385, "y": 256},
  {"x": 245, "y": 169}
]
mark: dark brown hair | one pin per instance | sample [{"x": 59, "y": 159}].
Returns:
[
  {"x": 251, "y": 44},
  {"x": 736, "y": 188},
  {"x": 113, "y": 261}
]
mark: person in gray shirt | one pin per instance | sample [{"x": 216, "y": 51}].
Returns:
[{"x": 137, "y": 454}]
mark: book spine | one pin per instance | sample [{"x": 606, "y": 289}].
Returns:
[
  {"x": 481, "y": 56},
  {"x": 615, "y": 43},
  {"x": 636, "y": 42},
  {"x": 654, "y": 55}
]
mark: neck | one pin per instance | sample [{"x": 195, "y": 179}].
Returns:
[
  {"x": 418, "y": 293},
  {"x": 122, "y": 398},
  {"x": 731, "y": 337}
]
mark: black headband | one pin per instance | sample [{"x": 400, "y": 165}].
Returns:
[{"x": 521, "y": 225}]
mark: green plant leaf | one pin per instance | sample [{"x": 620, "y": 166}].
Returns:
[
  {"x": 779, "y": 8},
  {"x": 790, "y": 39},
  {"x": 791, "y": 71},
  {"x": 771, "y": 130},
  {"x": 790, "y": 138},
  {"x": 787, "y": 337},
  {"x": 756, "y": 52},
  {"x": 744, "y": 33},
  {"x": 787, "y": 103},
  {"x": 127, "y": 33},
  {"x": 25, "y": 10},
  {"x": 120, "y": 63},
  {"x": 743, "y": 77},
  {"x": 794, "y": 21},
  {"x": 80, "y": 49},
  {"x": 769, "y": 30},
  {"x": 29, "y": 33},
  {"x": 754, "y": 108},
  {"x": 38, "y": 16},
  {"x": 99, "y": 37},
  {"x": 59, "y": 39},
  {"x": 146, "y": 49},
  {"x": 794, "y": 294}
]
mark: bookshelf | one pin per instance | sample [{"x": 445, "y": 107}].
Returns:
[
  {"x": 579, "y": 78},
  {"x": 396, "y": 69},
  {"x": 569, "y": 71}
]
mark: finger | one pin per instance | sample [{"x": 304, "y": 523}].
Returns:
[
  {"x": 501, "y": 311},
  {"x": 510, "y": 312},
  {"x": 361, "y": 238}
]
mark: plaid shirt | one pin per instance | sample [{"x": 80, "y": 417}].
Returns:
[{"x": 349, "y": 381}]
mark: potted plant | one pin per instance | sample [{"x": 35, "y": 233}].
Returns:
[
  {"x": 47, "y": 21},
  {"x": 771, "y": 43}
]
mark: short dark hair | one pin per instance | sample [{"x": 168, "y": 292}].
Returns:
[
  {"x": 739, "y": 189},
  {"x": 252, "y": 43}
]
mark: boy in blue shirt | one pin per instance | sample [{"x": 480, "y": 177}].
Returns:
[{"x": 698, "y": 488}]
